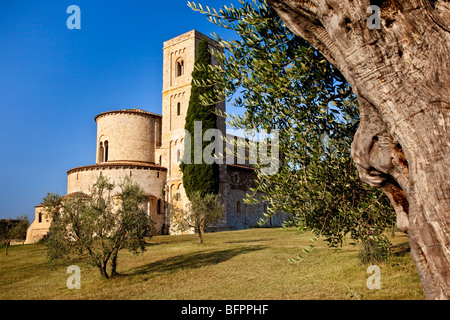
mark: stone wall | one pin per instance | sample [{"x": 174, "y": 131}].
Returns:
[
  {"x": 152, "y": 179},
  {"x": 239, "y": 214},
  {"x": 129, "y": 135},
  {"x": 40, "y": 227}
]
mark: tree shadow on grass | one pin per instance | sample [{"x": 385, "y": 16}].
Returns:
[
  {"x": 192, "y": 260},
  {"x": 245, "y": 241}
]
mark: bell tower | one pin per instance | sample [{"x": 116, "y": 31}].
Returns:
[{"x": 178, "y": 63}]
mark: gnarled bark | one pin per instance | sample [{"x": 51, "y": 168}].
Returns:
[{"x": 401, "y": 76}]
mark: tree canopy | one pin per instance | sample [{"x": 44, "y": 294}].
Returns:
[
  {"x": 203, "y": 211},
  {"x": 11, "y": 229},
  {"x": 283, "y": 83},
  {"x": 98, "y": 225}
]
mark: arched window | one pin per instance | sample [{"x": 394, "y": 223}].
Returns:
[
  {"x": 238, "y": 207},
  {"x": 106, "y": 151},
  {"x": 179, "y": 68},
  {"x": 178, "y": 192},
  {"x": 40, "y": 217},
  {"x": 178, "y": 108},
  {"x": 101, "y": 150}
]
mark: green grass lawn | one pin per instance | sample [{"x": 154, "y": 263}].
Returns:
[{"x": 247, "y": 264}]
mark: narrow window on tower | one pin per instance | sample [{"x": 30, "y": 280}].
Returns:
[
  {"x": 178, "y": 108},
  {"x": 100, "y": 152},
  {"x": 158, "y": 206},
  {"x": 106, "y": 151},
  {"x": 179, "y": 68}
]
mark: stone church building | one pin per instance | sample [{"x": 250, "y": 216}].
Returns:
[{"x": 148, "y": 148}]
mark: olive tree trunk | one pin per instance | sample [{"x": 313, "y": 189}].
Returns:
[
  {"x": 200, "y": 229},
  {"x": 399, "y": 70}
]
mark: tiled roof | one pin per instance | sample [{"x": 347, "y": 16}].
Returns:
[
  {"x": 134, "y": 110},
  {"x": 119, "y": 164}
]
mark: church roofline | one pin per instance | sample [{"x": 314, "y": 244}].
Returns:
[
  {"x": 70, "y": 195},
  {"x": 133, "y": 111},
  {"x": 121, "y": 164}
]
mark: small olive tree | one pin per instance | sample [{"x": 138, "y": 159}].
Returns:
[
  {"x": 98, "y": 225},
  {"x": 13, "y": 229},
  {"x": 203, "y": 211}
]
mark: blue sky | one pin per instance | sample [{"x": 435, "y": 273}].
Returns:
[{"x": 54, "y": 81}]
